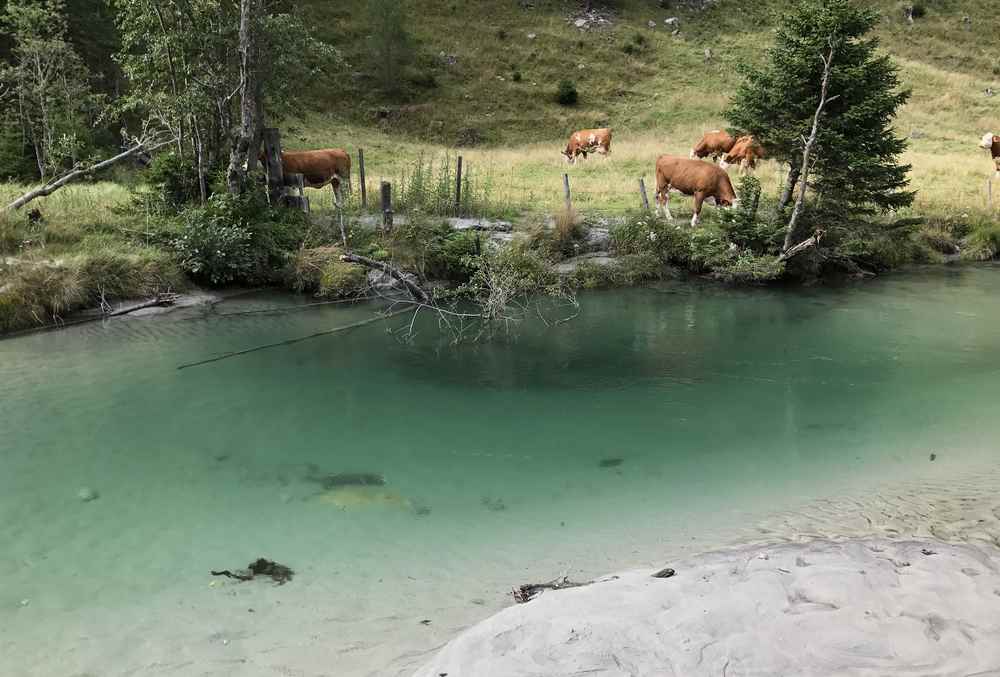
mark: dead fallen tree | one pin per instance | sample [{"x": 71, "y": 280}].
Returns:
[
  {"x": 158, "y": 301},
  {"x": 808, "y": 243},
  {"x": 415, "y": 291},
  {"x": 78, "y": 172}
]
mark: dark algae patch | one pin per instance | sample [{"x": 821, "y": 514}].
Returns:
[{"x": 278, "y": 573}]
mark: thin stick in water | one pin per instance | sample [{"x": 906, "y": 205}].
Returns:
[{"x": 288, "y": 342}]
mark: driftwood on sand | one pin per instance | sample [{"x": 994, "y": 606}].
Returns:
[{"x": 528, "y": 591}]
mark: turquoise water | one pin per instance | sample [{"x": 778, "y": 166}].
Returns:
[{"x": 721, "y": 404}]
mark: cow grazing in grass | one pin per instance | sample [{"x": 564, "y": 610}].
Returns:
[
  {"x": 319, "y": 168},
  {"x": 715, "y": 144},
  {"x": 991, "y": 142},
  {"x": 691, "y": 177},
  {"x": 745, "y": 153},
  {"x": 587, "y": 141}
]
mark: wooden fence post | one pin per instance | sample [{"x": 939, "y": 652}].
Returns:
[
  {"x": 364, "y": 186},
  {"x": 275, "y": 169},
  {"x": 458, "y": 187},
  {"x": 569, "y": 201},
  {"x": 642, "y": 192},
  {"x": 294, "y": 193},
  {"x": 386, "y": 205}
]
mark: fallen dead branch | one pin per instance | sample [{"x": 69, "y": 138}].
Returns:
[
  {"x": 802, "y": 246},
  {"x": 300, "y": 339},
  {"x": 159, "y": 300},
  {"x": 415, "y": 291},
  {"x": 80, "y": 172}
]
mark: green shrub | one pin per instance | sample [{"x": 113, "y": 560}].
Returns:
[
  {"x": 626, "y": 271},
  {"x": 643, "y": 233},
  {"x": 743, "y": 266},
  {"x": 172, "y": 182},
  {"x": 636, "y": 45},
  {"x": 505, "y": 277},
  {"x": 237, "y": 239},
  {"x": 566, "y": 94},
  {"x": 449, "y": 259},
  {"x": 741, "y": 225}
]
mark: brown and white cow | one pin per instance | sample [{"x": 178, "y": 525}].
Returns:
[
  {"x": 745, "y": 152},
  {"x": 715, "y": 144},
  {"x": 588, "y": 141},
  {"x": 991, "y": 142},
  {"x": 319, "y": 168},
  {"x": 691, "y": 177}
]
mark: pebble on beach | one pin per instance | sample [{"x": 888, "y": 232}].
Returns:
[{"x": 86, "y": 494}]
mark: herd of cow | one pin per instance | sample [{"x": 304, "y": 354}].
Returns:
[
  {"x": 690, "y": 176},
  {"x": 705, "y": 182}
]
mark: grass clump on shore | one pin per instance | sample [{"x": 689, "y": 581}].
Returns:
[
  {"x": 983, "y": 242},
  {"x": 319, "y": 271},
  {"x": 36, "y": 290}
]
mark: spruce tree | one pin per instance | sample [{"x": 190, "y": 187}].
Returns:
[{"x": 854, "y": 166}]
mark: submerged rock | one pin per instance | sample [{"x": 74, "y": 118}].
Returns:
[
  {"x": 86, "y": 494},
  {"x": 351, "y": 479},
  {"x": 355, "y": 497}
]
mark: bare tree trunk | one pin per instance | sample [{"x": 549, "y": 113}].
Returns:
[
  {"x": 199, "y": 154},
  {"x": 808, "y": 147},
  {"x": 173, "y": 73},
  {"x": 789, "y": 189},
  {"x": 250, "y": 107}
]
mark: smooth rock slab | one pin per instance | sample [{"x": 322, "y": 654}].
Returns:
[{"x": 861, "y": 607}]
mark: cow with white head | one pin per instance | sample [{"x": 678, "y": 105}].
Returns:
[{"x": 991, "y": 142}]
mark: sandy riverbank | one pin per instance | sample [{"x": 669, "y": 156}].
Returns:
[{"x": 854, "y": 607}]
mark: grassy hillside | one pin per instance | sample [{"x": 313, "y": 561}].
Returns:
[
  {"x": 657, "y": 89},
  {"x": 664, "y": 82}
]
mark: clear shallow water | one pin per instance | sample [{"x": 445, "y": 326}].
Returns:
[{"x": 725, "y": 405}]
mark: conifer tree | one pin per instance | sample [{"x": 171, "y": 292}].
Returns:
[{"x": 854, "y": 165}]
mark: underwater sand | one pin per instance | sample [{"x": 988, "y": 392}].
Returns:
[{"x": 739, "y": 415}]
